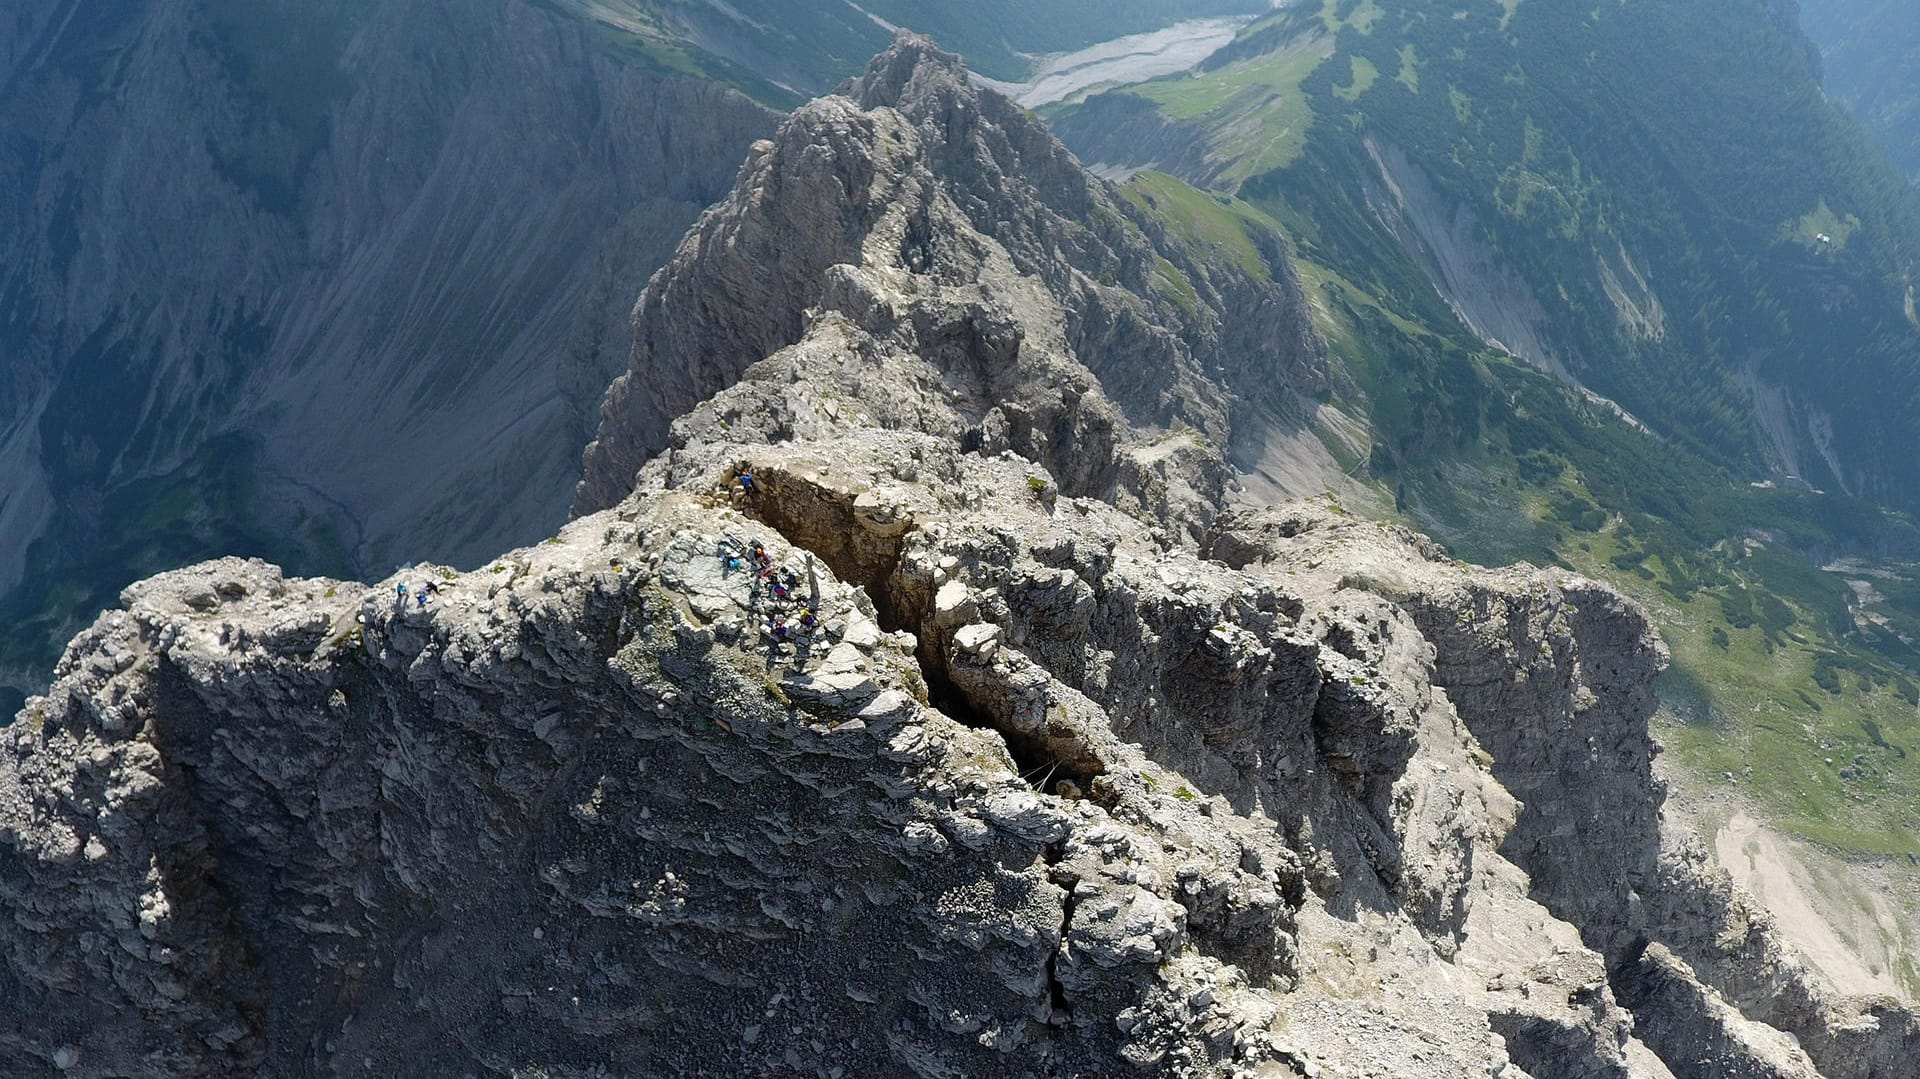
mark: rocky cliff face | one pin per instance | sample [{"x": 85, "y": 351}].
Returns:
[
  {"x": 915, "y": 216},
  {"x": 231, "y": 226},
  {"x": 1078, "y": 771}
]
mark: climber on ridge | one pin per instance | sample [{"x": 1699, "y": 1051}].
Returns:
[{"x": 746, "y": 483}]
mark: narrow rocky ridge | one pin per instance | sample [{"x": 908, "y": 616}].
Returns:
[
  {"x": 1081, "y": 772},
  {"x": 932, "y": 218}
]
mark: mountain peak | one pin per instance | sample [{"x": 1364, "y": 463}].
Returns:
[
  {"x": 912, "y": 68},
  {"x": 918, "y": 218}
]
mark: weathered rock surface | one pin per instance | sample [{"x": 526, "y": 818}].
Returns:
[
  {"x": 916, "y": 216},
  {"x": 575, "y": 812},
  {"x": 1576, "y": 658},
  {"x": 1075, "y": 775}
]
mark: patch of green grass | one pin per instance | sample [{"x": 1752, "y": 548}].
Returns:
[
  {"x": 1462, "y": 105},
  {"x": 1217, "y": 225},
  {"x": 1326, "y": 284},
  {"x": 1364, "y": 76},
  {"x": 1821, "y": 230},
  {"x": 1175, "y": 284},
  {"x": 1254, "y": 108},
  {"x": 1359, "y": 14},
  {"x": 1409, "y": 76}
]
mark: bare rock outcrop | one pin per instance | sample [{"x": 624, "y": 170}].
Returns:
[
  {"x": 938, "y": 220},
  {"x": 1577, "y": 661},
  {"x": 1051, "y": 797}
]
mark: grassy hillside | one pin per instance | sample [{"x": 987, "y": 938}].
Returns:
[
  {"x": 1794, "y": 668},
  {"x": 1686, "y": 217},
  {"x": 1681, "y": 152}
]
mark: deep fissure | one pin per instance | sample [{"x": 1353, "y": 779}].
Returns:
[
  {"x": 1062, "y": 1010},
  {"x": 835, "y": 534},
  {"x": 1038, "y": 765},
  {"x": 833, "y": 537}
]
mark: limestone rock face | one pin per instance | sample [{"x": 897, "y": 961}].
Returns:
[
  {"x": 914, "y": 215},
  {"x": 977, "y": 734},
  {"x": 578, "y": 809}
]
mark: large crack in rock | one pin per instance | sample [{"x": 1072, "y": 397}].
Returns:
[
  {"x": 700, "y": 826},
  {"x": 860, "y": 535},
  {"x": 1058, "y": 742}
]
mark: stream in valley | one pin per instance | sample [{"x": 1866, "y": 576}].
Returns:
[{"x": 1135, "y": 58}]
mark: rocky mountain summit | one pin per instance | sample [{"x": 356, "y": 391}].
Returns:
[
  {"x": 1083, "y": 768},
  {"x": 940, "y": 234}
]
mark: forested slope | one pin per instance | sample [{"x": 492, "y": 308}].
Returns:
[
  {"x": 1656, "y": 202},
  {"x": 1870, "y": 52}
]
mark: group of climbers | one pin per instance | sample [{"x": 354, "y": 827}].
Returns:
[
  {"x": 431, "y": 588},
  {"x": 776, "y": 586},
  {"x": 788, "y": 614}
]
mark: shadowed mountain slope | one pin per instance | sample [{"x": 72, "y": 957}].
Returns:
[
  {"x": 328, "y": 281},
  {"x": 1870, "y": 57}
]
